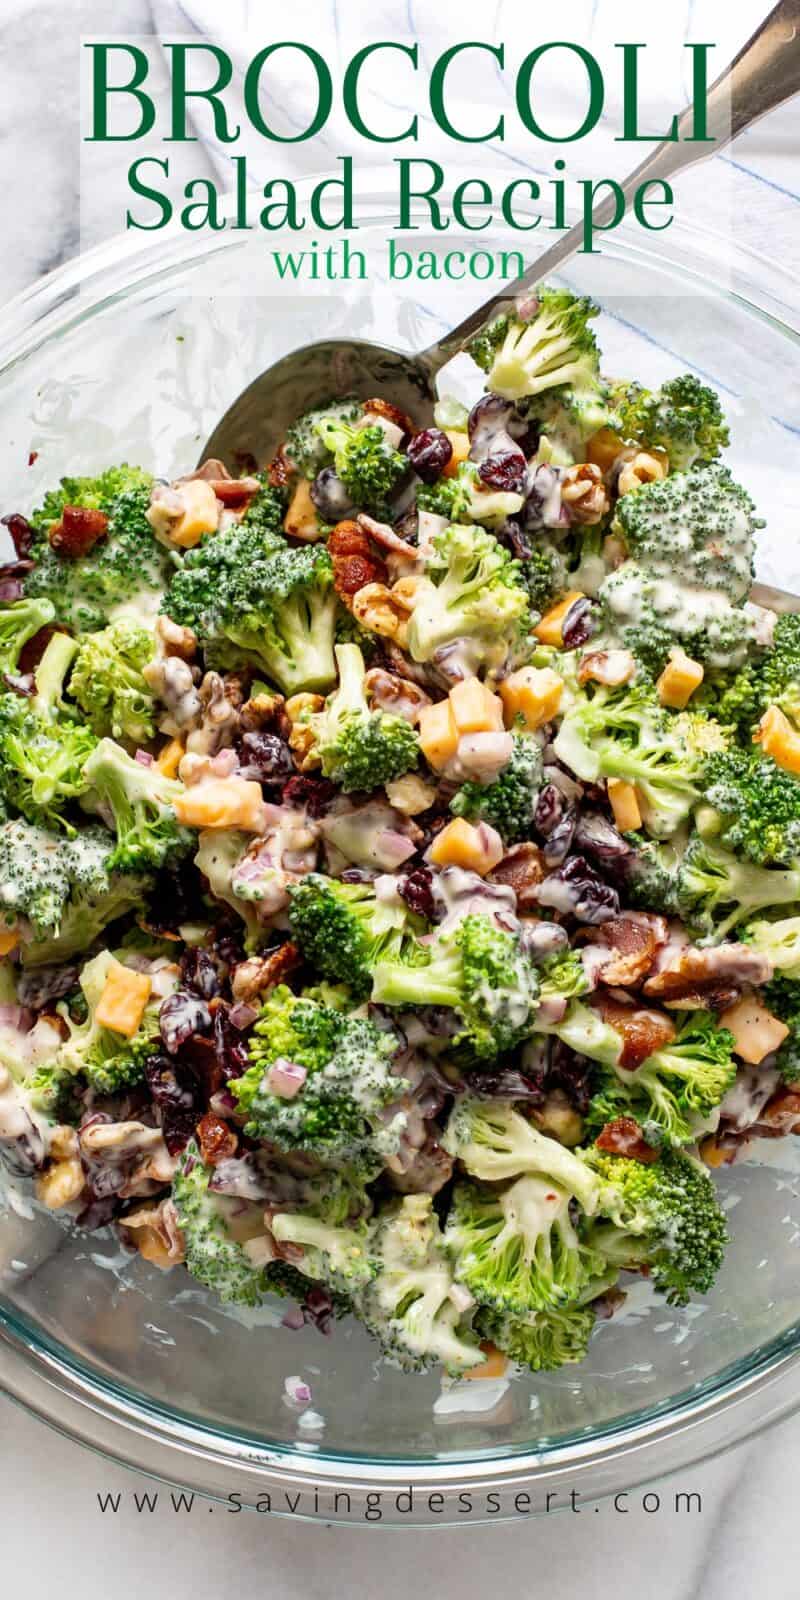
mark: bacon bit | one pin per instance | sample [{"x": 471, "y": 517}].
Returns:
[
  {"x": 521, "y": 869},
  {"x": 33, "y": 457},
  {"x": 642, "y": 1031},
  {"x": 255, "y": 977},
  {"x": 235, "y": 493},
  {"x": 624, "y": 1137},
  {"x": 281, "y": 470},
  {"x": 216, "y": 1139},
  {"x": 79, "y": 530},
  {"x": 708, "y": 979},
  {"x": 632, "y": 940},
  {"x": 348, "y": 539},
  {"x": 351, "y": 573},
  {"x": 384, "y": 408}
]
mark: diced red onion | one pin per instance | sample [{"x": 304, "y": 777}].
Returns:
[
  {"x": 286, "y": 1078},
  {"x": 297, "y": 1390},
  {"x": 144, "y": 759},
  {"x": 241, "y": 1015}
]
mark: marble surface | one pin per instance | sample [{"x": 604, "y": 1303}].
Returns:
[{"x": 746, "y": 1535}]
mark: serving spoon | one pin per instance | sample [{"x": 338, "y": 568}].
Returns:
[{"x": 764, "y": 74}]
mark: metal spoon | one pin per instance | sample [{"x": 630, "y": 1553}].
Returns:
[{"x": 764, "y": 74}]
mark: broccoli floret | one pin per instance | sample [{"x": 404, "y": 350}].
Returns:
[
  {"x": 60, "y": 893},
  {"x": 778, "y": 941},
  {"x": 413, "y": 1305},
  {"x": 216, "y": 1230},
  {"x": 339, "y": 1111},
  {"x": 650, "y": 875},
  {"x": 109, "y": 685},
  {"x": 772, "y": 677},
  {"x": 138, "y": 802},
  {"x": 583, "y": 1030},
  {"x": 474, "y": 595},
  {"x": 18, "y": 623},
  {"x": 716, "y": 891},
  {"x": 43, "y": 753},
  {"x": 251, "y": 599},
  {"x": 517, "y": 1249},
  {"x": 464, "y": 497},
  {"x": 480, "y": 971},
  {"x": 650, "y": 642},
  {"x": 554, "y": 347},
  {"x": 304, "y": 443},
  {"x": 88, "y": 590},
  {"x": 545, "y": 1341},
  {"x": 683, "y": 418},
  {"x": 484, "y": 347},
  {"x": 663, "y": 1215},
  {"x": 566, "y": 418},
  {"x": 759, "y": 806},
  {"x": 337, "y": 1256},
  {"x": 52, "y": 1090},
  {"x": 266, "y": 511},
  {"x": 495, "y": 1143},
  {"x": 625, "y": 734},
  {"x": 359, "y": 748},
  {"x": 507, "y": 804},
  {"x": 542, "y": 573},
  {"x": 343, "y": 929},
  {"x": 109, "y": 1062},
  {"x": 675, "y": 1089},
  {"x": 370, "y": 469},
  {"x": 782, "y": 996},
  {"x": 696, "y": 524},
  {"x": 649, "y": 612}
]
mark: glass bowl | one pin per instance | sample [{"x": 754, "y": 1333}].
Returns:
[{"x": 133, "y": 352}]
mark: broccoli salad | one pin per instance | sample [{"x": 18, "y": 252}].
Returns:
[{"x": 400, "y": 857}]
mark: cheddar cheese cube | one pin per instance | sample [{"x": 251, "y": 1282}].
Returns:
[
  {"x": 123, "y": 1001},
  {"x": 461, "y": 844},
  {"x": 475, "y": 709},
  {"x": 438, "y": 734},
  {"x": 170, "y": 758},
  {"x": 779, "y": 740},
  {"x": 9, "y": 939},
  {"x": 460, "y": 443},
  {"x": 549, "y": 630},
  {"x": 494, "y": 1364},
  {"x": 532, "y": 693},
  {"x": 200, "y": 514},
  {"x": 624, "y": 804},
  {"x": 678, "y": 681},
  {"x": 222, "y": 803},
  {"x": 755, "y": 1030}
]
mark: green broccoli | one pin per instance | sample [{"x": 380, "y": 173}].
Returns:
[
  {"x": 545, "y": 1341},
  {"x": 345, "y": 1082},
  {"x": 553, "y": 348},
  {"x": 217, "y": 1230},
  {"x": 251, "y": 599},
  {"x": 495, "y": 1143},
  {"x": 543, "y": 575},
  {"x": 42, "y": 752},
  {"x": 517, "y": 1249},
  {"x": 650, "y": 875},
  {"x": 478, "y": 970},
  {"x": 650, "y": 611},
  {"x": 343, "y": 929},
  {"x": 87, "y": 591},
  {"x": 53, "y": 1091},
  {"x": 464, "y": 497},
  {"x": 474, "y": 596},
  {"x": 359, "y": 748},
  {"x": 758, "y": 805},
  {"x": 370, "y": 469},
  {"x": 676, "y": 1089},
  {"x": 698, "y": 525},
  {"x": 778, "y": 941},
  {"x": 484, "y": 346},
  {"x": 771, "y": 677},
  {"x": 716, "y": 892},
  {"x": 265, "y": 513},
  {"x": 109, "y": 685},
  {"x": 683, "y": 418},
  {"x": 662, "y": 1215},
  {"x": 61, "y": 893},
  {"x": 18, "y": 623},
  {"x": 412, "y": 1305},
  {"x": 138, "y": 802},
  {"x": 782, "y": 996},
  {"x": 304, "y": 443},
  {"x": 107, "y": 1060},
  {"x": 507, "y": 804},
  {"x": 336, "y": 1255}
]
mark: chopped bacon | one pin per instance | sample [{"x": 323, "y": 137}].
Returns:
[
  {"x": 632, "y": 940},
  {"x": 384, "y": 408},
  {"x": 216, "y": 1139},
  {"x": 253, "y": 978},
  {"x": 624, "y": 1137},
  {"x": 354, "y": 562},
  {"x": 522, "y": 869},
  {"x": 642, "y": 1030},
  {"x": 708, "y": 979},
  {"x": 348, "y": 539},
  {"x": 281, "y": 470},
  {"x": 79, "y": 530}
]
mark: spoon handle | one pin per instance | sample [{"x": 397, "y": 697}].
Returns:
[{"x": 764, "y": 74}]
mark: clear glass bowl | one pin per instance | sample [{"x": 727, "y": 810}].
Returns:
[{"x": 134, "y": 352}]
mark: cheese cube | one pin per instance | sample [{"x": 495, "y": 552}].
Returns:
[
  {"x": 678, "y": 681},
  {"x": 200, "y": 514},
  {"x": 170, "y": 758},
  {"x": 755, "y": 1030},
  {"x": 475, "y": 708},
  {"x": 122, "y": 1003},
  {"x": 603, "y": 448},
  {"x": 438, "y": 734},
  {"x": 461, "y": 844},
  {"x": 532, "y": 693},
  {"x": 548, "y": 631},
  {"x": 494, "y": 1364},
  {"x": 779, "y": 740},
  {"x": 9, "y": 939},
  {"x": 301, "y": 520},
  {"x": 222, "y": 803},
  {"x": 460, "y": 443},
  {"x": 624, "y": 804}
]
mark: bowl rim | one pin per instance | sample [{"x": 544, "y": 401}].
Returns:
[{"x": 87, "y": 1406}]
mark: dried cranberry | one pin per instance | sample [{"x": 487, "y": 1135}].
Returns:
[
  {"x": 504, "y": 1084},
  {"x": 265, "y": 757},
  {"x": 416, "y": 888},
  {"x": 491, "y": 413},
  {"x": 429, "y": 453},
  {"x": 22, "y": 534},
  {"x": 230, "y": 1046},
  {"x": 505, "y": 470},
  {"x": 576, "y": 888},
  {"x": 550, "y": 808},
  {"x": 199, "y": 973},
  {"x": 176, "y": 897},
  {"x": 181, "y": 1015},
  {"x": 512, "y": 535},
  {"x": 558, "y": 843},
  {"x": 11, "y": 590},
  {"x": 315, "y": 794},
  {"x": 579, "y": 623},
  {"x": 318, "y": 1308},
  {"x": 168, "y": 1085},
  {"x": 330, "y": 496},
  {"x": 177, "y": 1127},
  {"x": 599, "y": 839}
]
